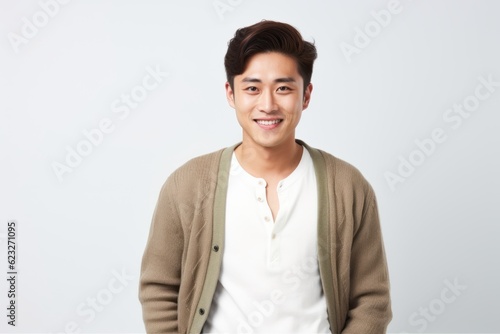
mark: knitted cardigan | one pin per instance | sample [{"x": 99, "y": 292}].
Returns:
[{"x": 182, "y": 260}]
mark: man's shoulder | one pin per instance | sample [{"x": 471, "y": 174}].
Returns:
[
  {"x": 340, "y": 166},
  {"x": 202, "y": 162},
  {"x": 199, "y": 167},
  {"x": 200, "y": 170},
  {"x": 339, "y": 172}
]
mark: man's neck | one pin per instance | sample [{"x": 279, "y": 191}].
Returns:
[{"x": 269, "y": 162}]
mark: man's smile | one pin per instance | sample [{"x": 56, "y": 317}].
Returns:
[{"x": 268, "y": 123}]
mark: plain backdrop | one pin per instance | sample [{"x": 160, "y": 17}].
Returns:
[{"x": 388, "y": 74}]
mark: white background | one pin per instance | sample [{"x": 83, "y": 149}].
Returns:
[{"x": 76, "y": 235}]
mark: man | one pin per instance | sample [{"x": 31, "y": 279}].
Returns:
[{"x": 269, "y": 235}]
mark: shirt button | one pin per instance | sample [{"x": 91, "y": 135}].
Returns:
[
  {"x": 266, "y": 218},
  {"x": 259, "y": 199},
  {"x": 273, "y": 236}
]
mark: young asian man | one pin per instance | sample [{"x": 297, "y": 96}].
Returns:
[{"x": 269, "y": 235}]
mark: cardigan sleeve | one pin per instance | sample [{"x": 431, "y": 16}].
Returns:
[
  {"x": 369, "y": 295},
  {"x": 161, "y": 265}
]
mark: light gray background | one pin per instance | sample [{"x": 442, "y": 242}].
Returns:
[{"x": 76, "y": 235}]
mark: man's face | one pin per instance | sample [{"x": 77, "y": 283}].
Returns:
[{"x": 269, "y": 98}]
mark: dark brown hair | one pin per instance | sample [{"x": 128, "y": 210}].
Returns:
[{"x": 269, "y": 36}]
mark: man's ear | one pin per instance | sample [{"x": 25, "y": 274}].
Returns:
[
  {"x": 229, "y": 95},
  {"x": 307, "y": 96}
]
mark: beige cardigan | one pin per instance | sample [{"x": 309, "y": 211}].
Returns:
[{"x": 183, "y": 255}]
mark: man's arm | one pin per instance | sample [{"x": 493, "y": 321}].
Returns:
[
  {"x": 369, "y": 300},
  {"x": 161, "y": 265}
]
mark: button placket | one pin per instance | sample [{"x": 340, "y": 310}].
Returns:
[
  {"x": 281, "y": 218},
  {"x": 263, "y": 208},
  {"x": 274, "y": 255}
]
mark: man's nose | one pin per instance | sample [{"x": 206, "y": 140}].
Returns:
[{"x": 267, "y": 102}]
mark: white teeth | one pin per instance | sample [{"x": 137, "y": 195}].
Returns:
[{"x": 263, "y": 122}]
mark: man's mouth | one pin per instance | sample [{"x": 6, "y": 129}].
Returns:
[{"x": 268, "y": 122}]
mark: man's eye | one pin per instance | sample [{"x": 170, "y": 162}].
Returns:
[
  {"x": 251, "y": 89},
  {"x": 283, "y": 88}
]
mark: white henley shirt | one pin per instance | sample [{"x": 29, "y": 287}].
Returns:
[{"x": 269, "y": 281}]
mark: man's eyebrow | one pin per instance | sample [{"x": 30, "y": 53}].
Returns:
[
  {"x": 247, "y": 79},
  {"x": 285, "y": 79}
]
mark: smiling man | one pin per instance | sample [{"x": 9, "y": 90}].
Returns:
[{"x": 269, "y": 235}]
